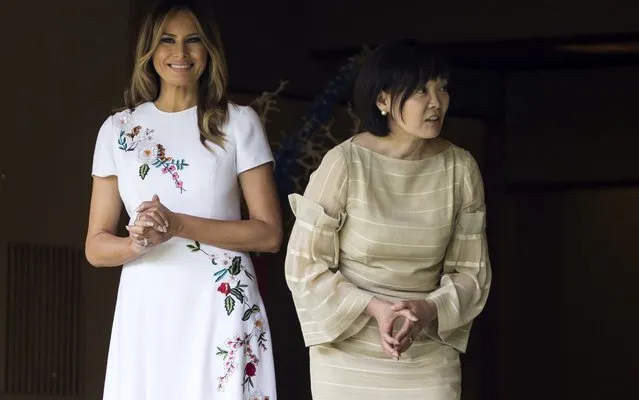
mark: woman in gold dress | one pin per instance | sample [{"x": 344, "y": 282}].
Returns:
[{"x": 387, "y": 261}]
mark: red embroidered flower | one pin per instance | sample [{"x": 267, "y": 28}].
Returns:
[
  {"x": 250, "y": 369},
  {"x": 224, "y": 288}
]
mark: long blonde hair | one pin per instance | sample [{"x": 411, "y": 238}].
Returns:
[{"x": 212, "y": 107}]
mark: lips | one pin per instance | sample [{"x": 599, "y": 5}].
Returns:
[
  {"x": 433, "y": 118},
  {"x": 181, "y": 67}
]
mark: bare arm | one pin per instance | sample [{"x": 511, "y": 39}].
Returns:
[
  {"x": 102, "y": 247},
  {"x": 261, "y": 232}
]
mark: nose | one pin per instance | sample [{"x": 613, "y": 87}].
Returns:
[
  {"x": 180, "y": 50},
  {"x": 435, "y": 101}
]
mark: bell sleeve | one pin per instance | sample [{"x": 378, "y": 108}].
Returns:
[
  {"x": 330, "y": 308},
  {"x": 466, "y": 277}
]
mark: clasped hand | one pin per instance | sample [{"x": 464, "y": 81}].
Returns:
[
  {"x": 153, "y": 225},
  {"x": 416, "y": 314}
]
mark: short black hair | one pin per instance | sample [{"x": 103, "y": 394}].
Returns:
[{"x": 399, "y": 68}]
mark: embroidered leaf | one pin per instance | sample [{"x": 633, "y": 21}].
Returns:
[
  {"x": 249, "y": 312},
  {"x": 221, "y": 352},
  {"x": 221, "y": 274},
  {"x": 157, "y": 162},
  {"x": 229, "y": 305},
  {"x": 248, "y": 274},
  {"x": 194, "y": 247},
  {"x": 180, "y": 164},
  {"x": 238, "y": 293},
  {"x": 144, "y": 169},
  {"x": 236, "y": 265},
  {"x": 261, "y": 341}
]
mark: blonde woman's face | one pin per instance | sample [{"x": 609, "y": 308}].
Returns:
[{"x": 180, "y": 58}]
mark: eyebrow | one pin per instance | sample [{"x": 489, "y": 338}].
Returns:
[{"x": 172, "y": 35}]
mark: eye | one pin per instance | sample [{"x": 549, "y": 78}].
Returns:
[
  {"x": 167, "y": 39},
  {"x": 194, "y": 39}
]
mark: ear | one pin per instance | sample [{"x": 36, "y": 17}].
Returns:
[{"x": 383, "y": 101}]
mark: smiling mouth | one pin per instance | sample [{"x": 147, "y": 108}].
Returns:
[
  {"x": 433, "y": 118},
  {"x": 181, "y": 67}
]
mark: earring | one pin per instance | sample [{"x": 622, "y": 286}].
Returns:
[{"x": 384, "y": 112}]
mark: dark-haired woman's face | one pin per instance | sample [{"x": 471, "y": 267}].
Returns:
[
  {"x": 180, "y": 58},
  {"x": 423, "y": 112}
]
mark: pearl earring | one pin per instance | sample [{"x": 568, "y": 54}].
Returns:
[{"x": 384, "y": 112}]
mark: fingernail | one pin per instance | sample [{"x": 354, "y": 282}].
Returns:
[{"x": 127, "y": 227}]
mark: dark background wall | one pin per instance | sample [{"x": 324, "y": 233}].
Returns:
[{"x": 557, "y": 149}]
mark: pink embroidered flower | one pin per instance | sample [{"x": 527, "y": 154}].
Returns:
[
  {"x": 179, "y": 184},
  {"x": 250, "y": 369},
  {"x": 123, "y": 118},
  {"x": 224, "y": 288}
]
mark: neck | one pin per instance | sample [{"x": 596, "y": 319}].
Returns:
[
  {"x": 174, "y": 99},
  {"x": 406, "y": 147}
]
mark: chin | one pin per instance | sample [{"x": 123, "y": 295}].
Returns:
[
  {"x": 430, "y": 134},
  {"x": 181, "y": 82}
]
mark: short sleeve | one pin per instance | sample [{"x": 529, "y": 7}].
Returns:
[
  {"x": 252, "y": 146},
  {"x": 103, "y": 161}
]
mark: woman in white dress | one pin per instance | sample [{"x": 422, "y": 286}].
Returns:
[{"x": 189, "y": 321}]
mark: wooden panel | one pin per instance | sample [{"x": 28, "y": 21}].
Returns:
[{"x": 43, "y": 320}]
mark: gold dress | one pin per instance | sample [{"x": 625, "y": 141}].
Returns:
[{"x": 370, "y": 225}]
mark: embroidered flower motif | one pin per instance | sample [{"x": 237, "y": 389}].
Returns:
[
  {"x": 259, "y": 397},
  {"x": 150, "y": 154},
  {"x": 250, "y": 370},
  {"x": 224, "y": 288},
  {"x": 122, "y": 118},
  {"x": 147, "y": 153},
  {"x": 228, "y": 352},
  {"x": 231, "y": 286},
  {"x": 258, "y": 323}
]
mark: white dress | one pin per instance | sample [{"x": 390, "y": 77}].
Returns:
[{"x": 189, "y": 321}]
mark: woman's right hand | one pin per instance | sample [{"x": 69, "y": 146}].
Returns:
[
  {"x": 145, "y": 233},
  {"x": 384, "y": 314}
]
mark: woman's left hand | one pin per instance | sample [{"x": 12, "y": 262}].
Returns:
[
  {"x": 153, "y": 224},
  {"x": 424, "y": 310}
]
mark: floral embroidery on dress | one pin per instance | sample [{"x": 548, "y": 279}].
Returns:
[
  {"x": 259, "y": 397},
  {"x": 234, "y": 346},
  {"x": 231, "y": 288},
  {"x": 149, "y": 152}
]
